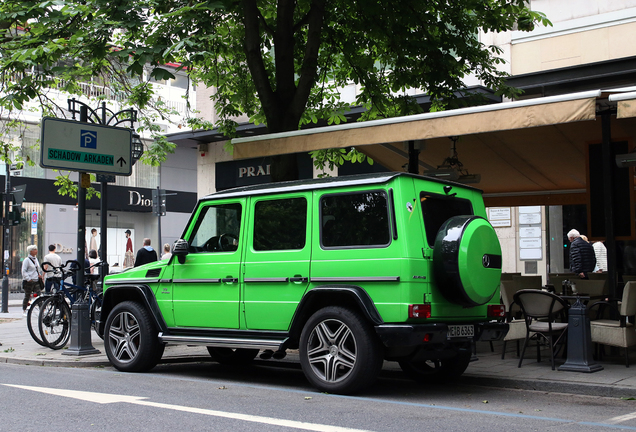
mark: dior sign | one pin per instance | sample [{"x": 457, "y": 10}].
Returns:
[{"x": 138, "y": 199}]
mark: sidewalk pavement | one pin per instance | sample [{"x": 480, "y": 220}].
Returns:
[{"x": 615, "y": 380}]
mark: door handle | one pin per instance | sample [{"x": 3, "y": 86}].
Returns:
[
  {"x": 298, "y": 279},
  {"x": 229, "y": 280}
]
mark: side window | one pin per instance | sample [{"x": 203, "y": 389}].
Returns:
[
  {"x": 354, "y": 220},
  {"x": 437, "y": 209},
  {"x": 217, "y": 229},
  {"x": 280, "y": 224}
]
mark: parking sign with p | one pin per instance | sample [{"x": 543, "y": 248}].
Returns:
[{"x": 88, "y": 139}]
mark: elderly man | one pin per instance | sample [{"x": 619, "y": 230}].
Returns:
[
  {"x": 31, "y": 276},
  {"x": 582, "y": 257}
]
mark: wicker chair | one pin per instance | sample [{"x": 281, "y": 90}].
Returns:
[
  {"x": 618, "y": 333},
  {"x": 541, "y": 311}
]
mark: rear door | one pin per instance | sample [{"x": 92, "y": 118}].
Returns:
[
  {"x": 277, "y": 255},
  {"x": 206, "y": 290}
]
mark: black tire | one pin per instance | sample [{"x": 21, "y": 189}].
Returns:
[
  {"x": 436, "y": 371},
  {"x": 55, "y": 322},
  {"x": 96, "y": 312},
  {"x": 339, "y": 351},
  {"x": 33, "y": 317},
  {"x": 131, "y": 338},
  {"x": 229, "y": 356}
]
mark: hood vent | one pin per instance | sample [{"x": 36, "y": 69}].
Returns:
[{"x": 153, "y": 273}]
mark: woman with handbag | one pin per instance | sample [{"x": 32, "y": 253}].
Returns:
[{"x": 31, "y": 276}]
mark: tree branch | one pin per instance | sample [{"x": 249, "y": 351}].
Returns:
[
  {"x": 254, "y": 56},
  {"x": 266, "y": 26},
  {"x": 284, "y": 51},
  {"x": 310, "y": 60}
]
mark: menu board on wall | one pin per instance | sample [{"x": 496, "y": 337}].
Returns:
[
  {"x": 530, "y": 242},
  {"x": 500, "y": 216}
]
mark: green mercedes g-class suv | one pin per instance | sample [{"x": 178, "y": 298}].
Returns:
[{"x": 350, "y": 271}]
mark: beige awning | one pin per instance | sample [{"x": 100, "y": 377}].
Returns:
[
  {"x": 474, "y": 120},
  {"x": 625, "y": 104},
  {"x": 532, "y": 147}
]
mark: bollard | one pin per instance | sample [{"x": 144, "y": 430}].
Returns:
[
  {"x": 579, "y": 341},
  {"x": 80, "y": 331}
]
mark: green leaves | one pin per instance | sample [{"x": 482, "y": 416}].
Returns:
[
  {"x": 283, "y": 70},
  {"x": 334, "y": 157}
]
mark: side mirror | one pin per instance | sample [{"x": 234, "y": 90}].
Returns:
[{"x": 180, "y": 250}]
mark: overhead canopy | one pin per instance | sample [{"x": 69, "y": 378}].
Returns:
[{"x": 522, "y": 148}]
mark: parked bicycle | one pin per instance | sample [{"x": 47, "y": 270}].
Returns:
[
  {"x": 33, "y": 315},
  {"x": 54, "y": 311}
]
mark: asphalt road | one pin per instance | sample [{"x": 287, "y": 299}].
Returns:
[{"x": 211, "y": 397}]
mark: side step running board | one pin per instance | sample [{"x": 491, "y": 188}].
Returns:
[{"x": 225, "y": 342}]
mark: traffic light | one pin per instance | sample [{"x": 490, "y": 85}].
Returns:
[
  {"x": 159, "y": 202},
  {"x": 16, "y": 214},
  {"x": 16, "y": 211}
]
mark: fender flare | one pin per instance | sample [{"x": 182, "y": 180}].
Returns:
[
  {"x": 143, "y": 294},
  {"x": 317, "y": 298}
]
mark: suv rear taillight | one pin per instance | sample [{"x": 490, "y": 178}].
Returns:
[
  {"x": 420, "y": 311},
  {"x": 496, "y": 311}
]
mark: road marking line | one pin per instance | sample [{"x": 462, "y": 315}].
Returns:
[
  {"x": 619, "y": 419},
  {"x": 104, "y": 398}
]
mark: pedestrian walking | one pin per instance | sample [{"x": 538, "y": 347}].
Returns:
[
  {"x": 582, "y": 257},
  {"x": 31, "y": 276},
  {"x": 146, "y": 254},
  {"x": 51, "y": 278},
  {"x": 166, "y": 252},
  {"x": 600, "y": 251}
]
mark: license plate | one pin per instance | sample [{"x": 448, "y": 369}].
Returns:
[{"x": 461, "y": 331}]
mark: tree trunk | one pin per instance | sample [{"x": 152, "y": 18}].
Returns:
[{"x": 284, "y": 168}]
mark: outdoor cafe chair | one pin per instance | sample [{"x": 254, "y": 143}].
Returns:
[
  {"x": 595, "y": 289},
  {"x": 618, "y": 333},
  {"x": 508, "y": 290},
  {"x": 516, "y": 330},
  {"x": 541, "y": 311},
  {"x": 527, "y": 282}
]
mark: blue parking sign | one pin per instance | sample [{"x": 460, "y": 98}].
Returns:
[{"x": 88, "y": 139}]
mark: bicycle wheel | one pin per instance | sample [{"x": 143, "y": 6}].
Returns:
[
  {"x": 55, "y": 322},
  {"x": 33, "y": 316},
  {"x": 96, "y": 312}
]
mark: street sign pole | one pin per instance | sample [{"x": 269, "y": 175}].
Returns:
[
  {"x": 81, "y": 213},
  {"x": 5, "y": 242},
  {"x": 103, "y": 219},
  {"x": 160, "y": 245}
]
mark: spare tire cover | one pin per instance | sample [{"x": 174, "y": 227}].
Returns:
[{"x": 467, "y": 260}]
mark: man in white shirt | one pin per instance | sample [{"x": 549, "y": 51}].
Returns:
[{"x": 52, "y": 278}]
